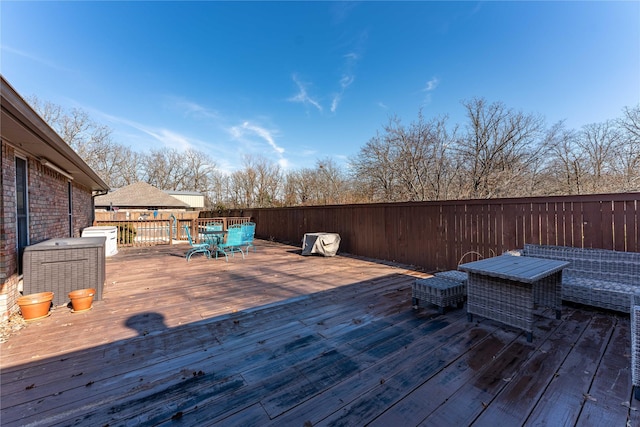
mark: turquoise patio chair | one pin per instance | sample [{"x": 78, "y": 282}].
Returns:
[
  {"x": 213, "y": 226},
  {"x": 232, "y": 244},
  {"x": 248, "y": 233},
  {"x": 208, "y": 226},
  {"x": 196, "y": 247}
]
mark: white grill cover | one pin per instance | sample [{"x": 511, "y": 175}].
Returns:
[{"x": 325, "y": 244}]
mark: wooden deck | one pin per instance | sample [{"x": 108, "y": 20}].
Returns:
[{"x": 280, "y": 339}]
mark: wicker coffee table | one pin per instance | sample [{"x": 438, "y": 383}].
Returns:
[{"x": 507, "y": 289}]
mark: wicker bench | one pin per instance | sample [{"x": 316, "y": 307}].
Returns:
[
  {"x": 439, "y": 291},
  {"x": 605, "y": 279},
  {"x": 635, "y": 344},
  {"x": 596, "y": 277}
]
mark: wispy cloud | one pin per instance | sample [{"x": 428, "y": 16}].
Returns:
[
  {"x": 244, "y": 138},
  {"x": 46, "y": 62},
  {"x": 284, "y": 163},
  {"x": 247, "y": 130},
  {"x": 335, "y": 101},
  {"x": 431, "y": 85},
  {"x": 166, "y": 137},
  {"x": 243, "y": 132},
  {"x": 263, "y": 133},
  {"x": 169, "y": 138},
  {"x": 302, "y": 96},
  {"x": 352, "y": 56},
  {"x": 340, "y": 11},
  {"x": 348, "y": 62},
  {"x": 197, "y": 110},
  {"x": 348, "y": 77},
  {"x": 346, "y": 81},
  {"x": 429, "y": 88}
]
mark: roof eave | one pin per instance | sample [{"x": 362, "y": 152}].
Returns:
[{"x": 24, "y": 129}]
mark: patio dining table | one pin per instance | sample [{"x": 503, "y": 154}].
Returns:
[
  {"x": 507, "y": 288},
  {"x": 213, "y": 237}
]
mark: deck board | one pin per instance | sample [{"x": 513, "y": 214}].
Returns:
[
  {"x": 565, "y": 396},
  {"x": 608, "y": 393},
  {"x": 522, "y": 392},
  {"x": 281, "y": 339}
]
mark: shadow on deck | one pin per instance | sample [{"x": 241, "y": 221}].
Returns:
[{"x": 282, "y": 339}]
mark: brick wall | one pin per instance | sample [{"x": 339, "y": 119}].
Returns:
[
  {"x": 48, "y": 204},
  {"x": 48, "y": 217},
  {"x": 82, "y": 209},
  {"x": 8, "y": 255}
]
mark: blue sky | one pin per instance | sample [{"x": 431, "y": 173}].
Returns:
[{"x": 297, "y": 82}]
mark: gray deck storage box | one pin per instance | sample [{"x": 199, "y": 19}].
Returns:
[{"x": 64, "y": 265}]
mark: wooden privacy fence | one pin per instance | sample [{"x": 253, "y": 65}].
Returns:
[{"x": 439, "y": 235}]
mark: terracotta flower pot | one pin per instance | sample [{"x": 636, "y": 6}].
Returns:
[
  {"x": 35, "y": 306},
  {"x": 82, "y": 299}
]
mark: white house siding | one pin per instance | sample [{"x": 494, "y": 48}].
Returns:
[{"x": 195, "y": 201}]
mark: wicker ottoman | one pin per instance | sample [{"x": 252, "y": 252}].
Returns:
[
  {"x": 439, "y": 291},
  {"x": 455, "y": 275}
]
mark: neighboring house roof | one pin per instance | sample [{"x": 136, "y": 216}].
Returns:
[
  {"x": 139, "y": 195},
  {"x": 24, "y": 129}
]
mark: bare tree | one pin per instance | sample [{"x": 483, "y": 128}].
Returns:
[
  {"x": 429, "y": 157},
  {"x": 565, "y": 171},
  {"x": 129, "y": 171},
  {"x": 191, "y": 170},
  {"x": 326, "y": 184},
  {"x": 498, "y": 149},
  {"x": 241, "y": 183},
  {"x": 269, "y": 181},
  {"x": 299, "y": 187},
  {"x": 410, "y": 159},
  {"x": 331, "y": 183},
  {"x": 74, "y": 126},
  {"x": 628, "y": 159},
  {"x": 407, "y": 162},
  {"x": 599, "y": 142},
  {"x": 258, "y": 184},
  {"x": 163, "y": 168},
  {"x": 116, "y": 164},
  {"x": 373, "y": 169},
  {"x": 200, "y": 171},
  {"x": 217, "y": 191}
]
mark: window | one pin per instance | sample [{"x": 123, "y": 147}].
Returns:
[
  {"x": 22, "y": 209},
  {"x": 70, "y": 192}
]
